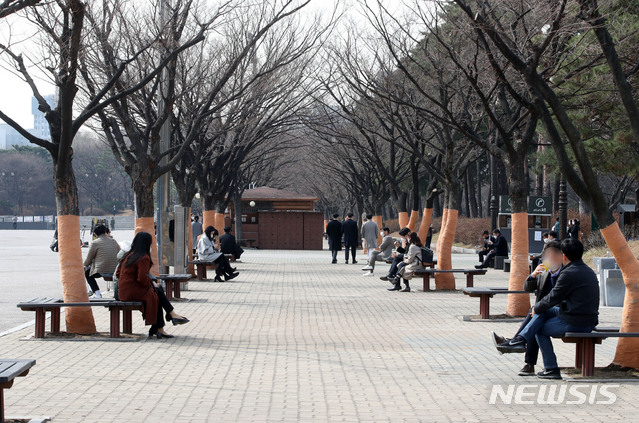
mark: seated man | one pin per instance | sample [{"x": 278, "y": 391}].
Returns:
[
  {"x": 102, "y": 257},
  {"x": 500, "y": 248},
  {"x": 486, "y": 248},
  {"x": 541, "y": 281},
  {"x": 571, "y": 306},
  {"x": 398, "y": 256},
  {"x": 228, "y": 244},
  {"x": 384, "y": 253}
]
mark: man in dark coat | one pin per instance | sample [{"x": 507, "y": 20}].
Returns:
[
  {"x": 228, "y": 244},
  {"x": 499, "y": 248},
  {"x": 334, "y": 233},
  {"x": 351, "y": 238},
  {"x": 571, "y": 306},
  {"x": 541, "y": 282}
]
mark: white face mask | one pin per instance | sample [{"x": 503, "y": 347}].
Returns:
[
  {"x": 382, "y": 233},
  {"x": 546, "y": 240}
]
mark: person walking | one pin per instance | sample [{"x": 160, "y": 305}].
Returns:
[
  {"x": 15, "y": 222},
  {"x": 196, "y": 229},
  {"x": 370, "y": 231},
  {"x": 351, "y": 238},
  {"x": 334, "y": 233}
]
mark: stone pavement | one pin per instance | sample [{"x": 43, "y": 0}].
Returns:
[{"x": 294, "y": 338}]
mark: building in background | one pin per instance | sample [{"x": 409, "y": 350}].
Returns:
[{"x": 10, "y": 137}]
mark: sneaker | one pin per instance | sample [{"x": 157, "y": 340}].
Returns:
[
  {"x": 367, "y": 268},
  {"x": 95, "y": 296},
  {"x": 527, "y": 370},
  {"x": 368, "y": 274},
  {"x": 90, "y": 293},
  {"x": 549, "y": 374}
]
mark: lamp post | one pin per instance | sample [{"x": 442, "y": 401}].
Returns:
[{"x": 563, "y": 209}]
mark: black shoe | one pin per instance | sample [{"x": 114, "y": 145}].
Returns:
[
  {"x": 334, "y": 262},
  {"x": 384, "y": 278},
  {"x": 479, "y": 266},
  {"x": 164, "y": 335},
  {"x": 231, "y": 276},
  {"x": 179, "y": 321},
  {"x": 497, "y": 340},
  {"x": 346, "y": 261},
  {"x": 527, "y": 370},
  {"x": 354, "y": 262},
  {"x": 233, "y": 269},
  {"x": 397, "y": 287},
  {"x": 549, "y": 374},
  {"x": 407, "y": 289},
  {"x": 218, "y": 278}
]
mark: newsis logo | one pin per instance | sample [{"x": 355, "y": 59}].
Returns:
[{"x": 553, "y": 394}]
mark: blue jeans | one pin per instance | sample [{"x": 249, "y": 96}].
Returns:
[{"x": 545, "y": 325}]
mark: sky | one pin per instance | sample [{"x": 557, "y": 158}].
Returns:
[{"x": 15, "y": 94}]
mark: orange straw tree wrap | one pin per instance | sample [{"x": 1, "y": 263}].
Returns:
[
  {"x": 146, "y": 224},
  {"x": 518, "y": 304},
  {"x": 427, "y": 218},
  {"x": 412, "y": 222},
  {"x": 208, "y": 218},
  {"x": 219, "y": 222},
  {"x": 378, "y": 220},
  {"x": 191, "y": 266},
  {"x": 78, "y": 319},
  {"x": 444, "y": 258},
  {"x": 627, "y": 353},
  {"x": 441, "y": 231},
  {"x": 403, "y": 219}
]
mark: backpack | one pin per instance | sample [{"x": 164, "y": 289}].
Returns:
[{"x": 427, "y": 255}]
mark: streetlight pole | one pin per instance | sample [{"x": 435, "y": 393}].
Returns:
[{"x": 563, "y": 209}]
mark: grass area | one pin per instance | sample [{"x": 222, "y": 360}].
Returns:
[{"x": 603, "y": 252}]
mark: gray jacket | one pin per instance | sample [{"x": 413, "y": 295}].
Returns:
[
  {"x": 370, "y": 230},
  {"x": 386, "y": 247}
]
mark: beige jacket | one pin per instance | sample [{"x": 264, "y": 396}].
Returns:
[
  {"x": 413, "y": 260},
  {"x": 102, "y": 255}
]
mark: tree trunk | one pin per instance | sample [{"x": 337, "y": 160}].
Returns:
[
  {"x": 427, "y": 218},
  {"x": 446, "y": 281},
  {"x": 518, "y": 304},
  {"x": 78, "y": 319},
  {"x": 480, "y": 205},
  {"x": 237, "y": 206},
  {"x": 144, "y": 214}
]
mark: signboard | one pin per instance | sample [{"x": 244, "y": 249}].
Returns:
[
  {"x": 504, "y": 205},
  {"x": 539, "y": 205}
]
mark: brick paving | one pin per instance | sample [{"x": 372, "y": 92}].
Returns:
[{"x": 294, "y": 338}]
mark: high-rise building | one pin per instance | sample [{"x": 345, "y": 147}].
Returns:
[{"x": 10, "y": 137}]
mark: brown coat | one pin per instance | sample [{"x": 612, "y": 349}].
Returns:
[{"x": 134, "y": 284}]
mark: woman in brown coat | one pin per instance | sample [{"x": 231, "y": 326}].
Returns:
[{"x": 135, "y": 284}]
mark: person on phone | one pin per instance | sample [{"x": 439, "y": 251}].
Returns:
[
  {"x": 541, "y": 282},
  {"x": 384, "y": 253},
  {"x": 412, "y": 262},
  {"x": 487, "y": 246},
  {"x": 206, "y": 251},
  {"x": 398, "y": 255},
  {"x": 135, "y": 283},
  {"x": 499, "y": 248}
]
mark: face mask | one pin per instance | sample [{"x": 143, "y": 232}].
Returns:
[
  {"x": 381, "y": 234},
  {"x": 546, "y": 240}
]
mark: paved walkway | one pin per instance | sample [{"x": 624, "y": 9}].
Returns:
[{"x": 294, "y": 338}]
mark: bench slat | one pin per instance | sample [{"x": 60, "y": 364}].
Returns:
[{"x": 10, "y": 369}]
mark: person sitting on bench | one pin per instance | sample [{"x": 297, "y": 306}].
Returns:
[
  {"x": 135, "y": 284},
  {"x": 228, "y": 244},
  {"x": 102, "y": 257},
  {"x": 572, "y": 305},
  {"x": 412, "y": 262},
  {"x": 384, "y": 253},
  {"x": 486, "y": 247},
  {"x": 541, "y": 281},
  {"x": 398, "y": 255},
  {"x": 546, "y": 237},
  {"x": 500, "y": 248},
  {"x": 206, "y": 251}
]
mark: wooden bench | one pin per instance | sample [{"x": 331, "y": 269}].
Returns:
[
  {"x": 201, "y": 265},
  {"x": 470, "y": 274},
  {"x": 9, "y": 370},
  {"x": 508, "y": 262},
  {"x": 585, "y": 345},
  {"x": 430, "y": 265},
  {"x": 53, "y": 305},
  {"x": 485, "y": 294},
  {"x": 173, "y": 282}
]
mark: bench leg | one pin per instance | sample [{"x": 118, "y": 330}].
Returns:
[
  {"x": 426, "y": 278},
  {"x": 169, "y": 289},
  {"x": 127, "y": 321},
  {"x": 578, "y": 354},
  {"x": 201, "y": 272},
  {"x": 55, "y": 320},
  {"x": 469, "y": 280},
  {"x": 1, "y": 404},
  {"x": 39, "y": 322},
  {"x": 588, "y": 356},
  {"x": 115, "y": 322},
  {"x": 484, "y": 306},
  {"x": 176, "y": 289}
]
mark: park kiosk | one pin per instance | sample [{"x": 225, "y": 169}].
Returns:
[{"x": 539, "y": 220}]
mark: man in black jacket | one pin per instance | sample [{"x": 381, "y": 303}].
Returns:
[
  {"x": 351, "y": 238},
  {"x": 228, "y": 244},
  {"x": 334, "y": 233},
  {"x": 571, "y": 306},
  {"x": 499, "y": 248},
  {"x": 487, "y": 241},
  {"x": 398, "y": 255},
  {"x": 541, "y": 282}
]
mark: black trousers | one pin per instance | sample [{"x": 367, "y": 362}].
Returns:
[
  {"x": 353, "y": 250},
  {"x": 223, "y": 266},
  {"x": 91, "y": 279},
  {"x": 392, "y": 272},
  {"x": 532, "y": 348},
  {"x": 165, "y": 306},
  {"x": 489, "y": 256},
  {"x": 482, "y": 254}
]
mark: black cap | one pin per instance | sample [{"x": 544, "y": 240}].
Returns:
[{"x": 404, "y": 231}]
